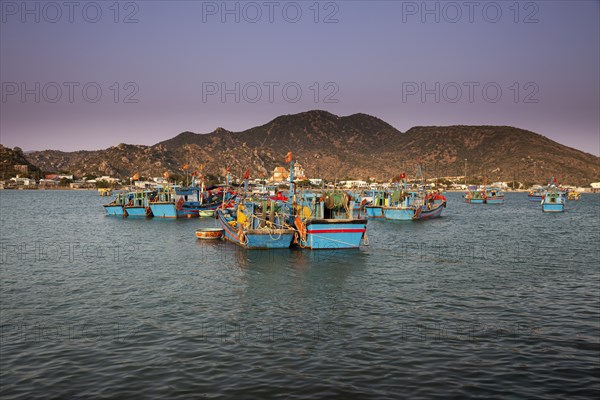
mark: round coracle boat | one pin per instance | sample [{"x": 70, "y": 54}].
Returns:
[{"x": 209, "y": 233}]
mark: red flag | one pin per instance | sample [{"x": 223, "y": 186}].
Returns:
[
  {"x": 247, "y": 174},
  {"x": 289, "y": 157}
]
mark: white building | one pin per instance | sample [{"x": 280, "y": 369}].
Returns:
[
  {"x": 107, "y": 178},
  {"x": 501, "y": 185},
  {"x": 354, "y": 184},
  {"x": 144, "y": 184},
  {"x": 299, "y": 172},
  {"x": 23, "y": 181}
]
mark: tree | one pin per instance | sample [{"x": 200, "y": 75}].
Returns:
[{"x": 65, "y": 182}]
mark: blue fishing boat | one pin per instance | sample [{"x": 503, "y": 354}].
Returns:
[
  {"x": 553, "y": 201},
  {"x": 494, "y": 195},
  {"x": 415, "y": 204},
  {"x": 402, "y": 205},
  {"x": 475, "y": 196},
  {"x": 412, "y": 206},
  {"x": 536, "y": 193},
  {"x": 187, "y": 202},
  {"x": 255, "y": 224},
  {"x": 115, "y": 207},
  {"x": 242, "y": 228},
  {"x": 325, "y": 220}
]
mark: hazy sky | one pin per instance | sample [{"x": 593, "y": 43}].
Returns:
[{"x": 88, "y": 75}]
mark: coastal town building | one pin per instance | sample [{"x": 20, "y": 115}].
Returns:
[
  {"x": 48, "y": 183},
  {"x": 299, "y": 172},
  {"x": 280, "y": 174},
  {"x": 19, "y": 181}
]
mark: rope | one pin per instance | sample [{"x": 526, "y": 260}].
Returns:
[
  {"x": 278, "y": 237},
  {"x": 272, "y": 230}
]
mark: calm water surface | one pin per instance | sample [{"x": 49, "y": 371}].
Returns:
[{"x": 487, "y": 301}]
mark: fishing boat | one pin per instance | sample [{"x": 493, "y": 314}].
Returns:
[
  {"x": 412, "y": 205},
  {"x": 105, "y": 192},
  {"x": 115, "y": 207},
  {"x": 402, "y": 205},
  {"x": 536, "y": 193},
  {"x": 188, "y": 202},
  {"x": 574, "y": 196},
  {"x": 323, "y": 220},
  {"x": 241, "y": 227},
  {"x": 494, "y": 195},
  {"x": 326, "y": 222},
  {"x": 254, "y": 224},
  {"x": 475, "y": 196},
  {"x": 553, "y": 201},
  {"x": 406, "y": 204}
]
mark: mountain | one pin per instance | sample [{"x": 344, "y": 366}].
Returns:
[{"x": 358, "y": 146}]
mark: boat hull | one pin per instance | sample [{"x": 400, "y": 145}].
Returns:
[
  {"x": 334, "y": 234},
  {"x": 374, "y": 212},
  {"x": 548, "y": 207},
  {"x": 114, "y": 210},
  {"x": 535, "y": 198},
  {"x": 399, "y": 214},
  {"x": 494, "y": 201},
  {"x": 163, "y": 210},
  {"x": 435, "y": 212},
  {"x": 136, "y": 211},
  {"x": 206, "y": 213},
  {"x": 188, "y": 213},
  {"x": 474, "y": 201}
]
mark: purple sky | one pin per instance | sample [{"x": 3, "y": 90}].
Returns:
[{"x": 375, "y": 57}]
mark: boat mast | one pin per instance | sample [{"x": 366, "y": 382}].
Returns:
[{"x": 225, "y": 190}]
